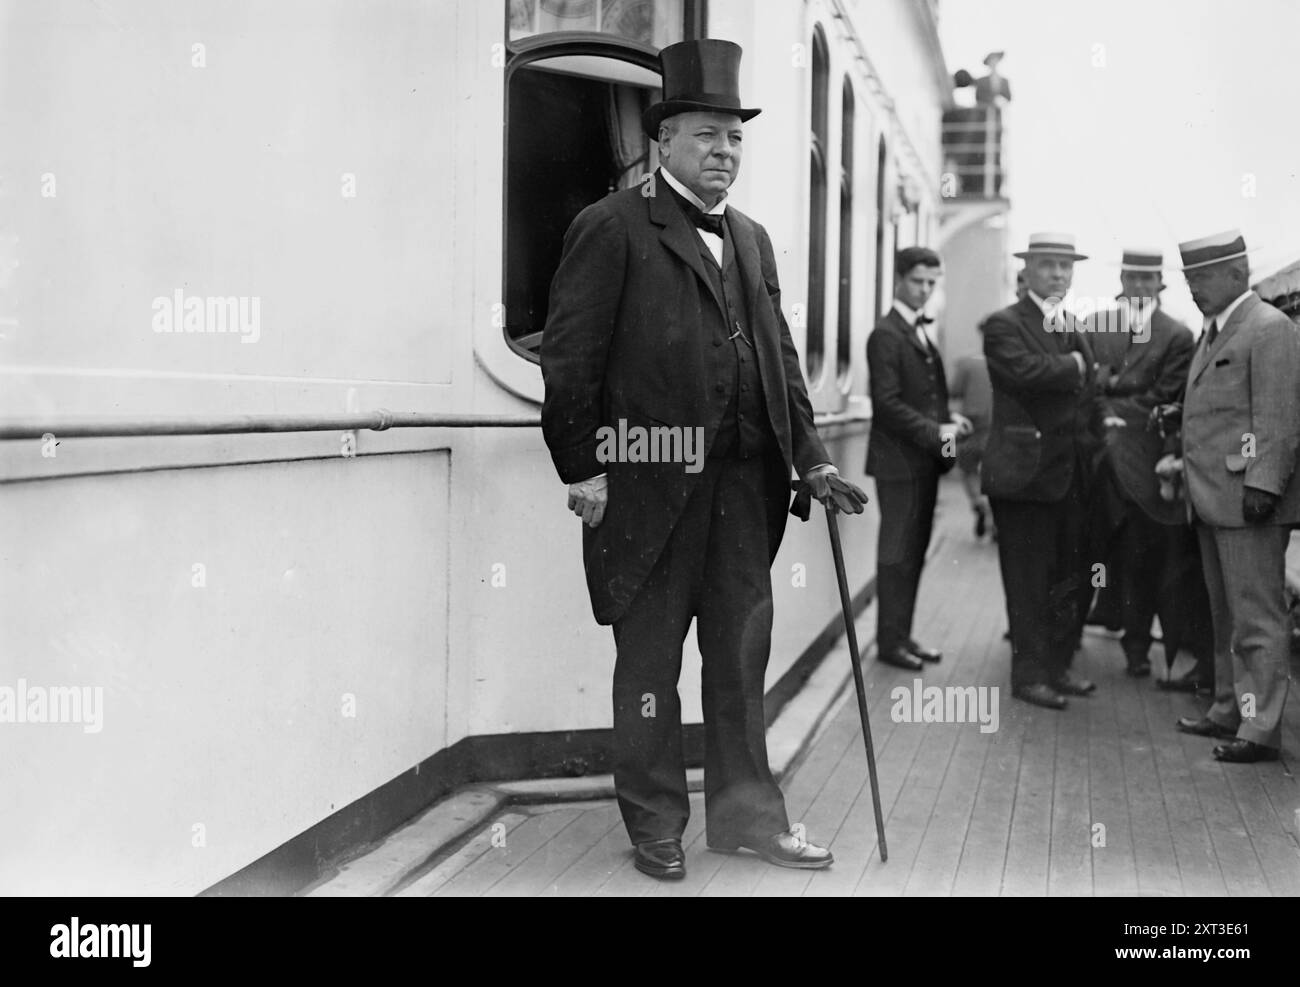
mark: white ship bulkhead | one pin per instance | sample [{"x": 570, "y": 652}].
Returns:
[{"x": 284, "y": 624}]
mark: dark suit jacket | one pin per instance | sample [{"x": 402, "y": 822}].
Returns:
[
  {"x": 1136, "y": 374},
  {"x": 1046, "y": 421},
  {"x": 909, "y": 400},
  {"x": 631, "y": 312}
]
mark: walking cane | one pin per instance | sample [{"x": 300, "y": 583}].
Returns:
[{"x": 855, "y": 659}]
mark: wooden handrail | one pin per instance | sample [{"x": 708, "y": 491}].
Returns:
[{"x": 377, "y": 421}]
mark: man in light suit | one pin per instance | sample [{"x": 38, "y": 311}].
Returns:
[
  {"x": 1143, "y": 356},
  {"x": 1241, "y": 436},
  {"x": 665, "y": 312},
  {"x": 913, "y": 442},
  {"x": 1037, "y": 467}
]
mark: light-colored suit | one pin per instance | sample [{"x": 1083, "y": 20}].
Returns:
[{"x": 1241, "y": 427}]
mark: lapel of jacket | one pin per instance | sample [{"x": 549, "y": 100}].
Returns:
[
  {"x": 744, "y": 243},
  {"x": 678, "y": 234},
  {"x": 895, "y": 319},
  {"x": 1031, "y": 326},
  {"x": 1205, "y": 355},
  {"x": 1137, "y": 354}
]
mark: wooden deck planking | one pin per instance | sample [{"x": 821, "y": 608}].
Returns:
[
  {"x": 1154, "y": 857},
  {"x": 1114, "y": 864},
  {"x": 543, "y": 869},
  {"x": 465, "y": 857},
  {"x": 967, "y": 813},
  {"x": 496, "y": 862}
]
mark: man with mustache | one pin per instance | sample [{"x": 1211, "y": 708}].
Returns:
[
  {"x": 1241, "y": 439},
  {"x": 1045, "y": 432}
]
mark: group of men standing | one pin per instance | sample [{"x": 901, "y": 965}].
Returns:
[
  {"x": 1123, "y": 454},
  {"x": 665, "y": 311}
]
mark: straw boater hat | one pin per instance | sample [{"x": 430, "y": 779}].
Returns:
[
  {"x": 698, "y": 76},
  {"x": 1143, "y": 260},
  {"x": 1228, "y": 245},
  {"x": 1057, "y": 244}
]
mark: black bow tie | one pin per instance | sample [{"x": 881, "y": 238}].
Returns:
[
  {"x": 708, "y": 222},
  {"x": 923, "y": 320}
]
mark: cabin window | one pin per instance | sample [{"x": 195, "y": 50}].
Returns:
[
  {"x": 573, "y": 129},
  {"x": 652, "y": 22},
  {"x": 843, "y": 339},
  {"x": 817, "y": 208}
]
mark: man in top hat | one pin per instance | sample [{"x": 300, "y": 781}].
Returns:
[
  {"x": 1241, "y": 435},
  {"x": 665, "y": 312},
  {"x": 1143, "y": 356},
  {"x": 913, "y": 443},
  {"x": 1045, "y": 432}
]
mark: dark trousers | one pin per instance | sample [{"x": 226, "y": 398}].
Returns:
[
  {"x": 1040, "y": 550},
  {"x": 1184, "y": 606},
  {"x": 715, "y": 568},
  {"x": 906, "y": 520}
]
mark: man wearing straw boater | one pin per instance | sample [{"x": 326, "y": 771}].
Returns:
[
  {"x": 1045, "y": 433},
  {"x": 666, "y": 311},
  {"x": 1241, "y": 436},
  {"x": 1143, "y": 355}
]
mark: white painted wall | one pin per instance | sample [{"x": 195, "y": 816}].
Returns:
[{"x": 325, "y": 575}]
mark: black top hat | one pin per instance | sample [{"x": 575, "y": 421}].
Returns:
[{"x": 701, "y": 76}]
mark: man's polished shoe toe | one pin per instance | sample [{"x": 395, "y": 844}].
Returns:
[
  {"x": 1203, "y": 726},
  {"x": 1138, "y": 668},
  {"x": 1068, "y": 685},
  {"x": 925, "y": 654},
  {"x": 900, "y": 657},
  {"x": 787, "y": 850},
  {"x": 1040, "y": 694},
  {"x": 663, "y": 859},
  {"x": 1244, "y": 752}
]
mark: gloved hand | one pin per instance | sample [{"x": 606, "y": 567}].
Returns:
[
  {"x": 826, "y": 484},
  {"x": 1257, "y": 506},
  {"x": 1169, "y": 470},
  {"x": 588, "y": 499}
]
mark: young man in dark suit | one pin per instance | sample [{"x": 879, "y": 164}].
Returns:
[
  {"x": 665, "y": 312},
  {"x": 1046, "y": 430},
  {"x": 913, "y": 442}
]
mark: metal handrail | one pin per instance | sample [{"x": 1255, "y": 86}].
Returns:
[{"x": 376, "y": 421}]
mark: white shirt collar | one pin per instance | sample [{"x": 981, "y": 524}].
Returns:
[
  {"x": 908, "y": 313},
  {"x": 1042, "y": 303},
  {"x": 691, "y": 197},
  {"x": 1222, "y": 317}
]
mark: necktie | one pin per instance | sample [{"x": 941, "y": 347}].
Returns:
[
  {"x": 923, "y": 320},
  {"x": 1211, "y": 333},
  {"x": 708, "y": 222}
]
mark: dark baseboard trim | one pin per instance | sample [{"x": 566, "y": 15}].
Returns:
[{"x": 303, "y": 859}]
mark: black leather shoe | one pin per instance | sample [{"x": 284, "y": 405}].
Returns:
[
  {"x": 1138, "y": 666},
  {"x": 663, "y": 859},
  {"x": 785, "y": 850},
  {"x": 1187, "y": 682},
  {"x": 900, "y": 657},
  {"x": 925, "y": 654},
  {"x": 1040, "y": 694},
  {"x": 1244, "y": 752},
  {"x": 1068, "y": 685},
  {"x": 1203, "y": 726}
]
